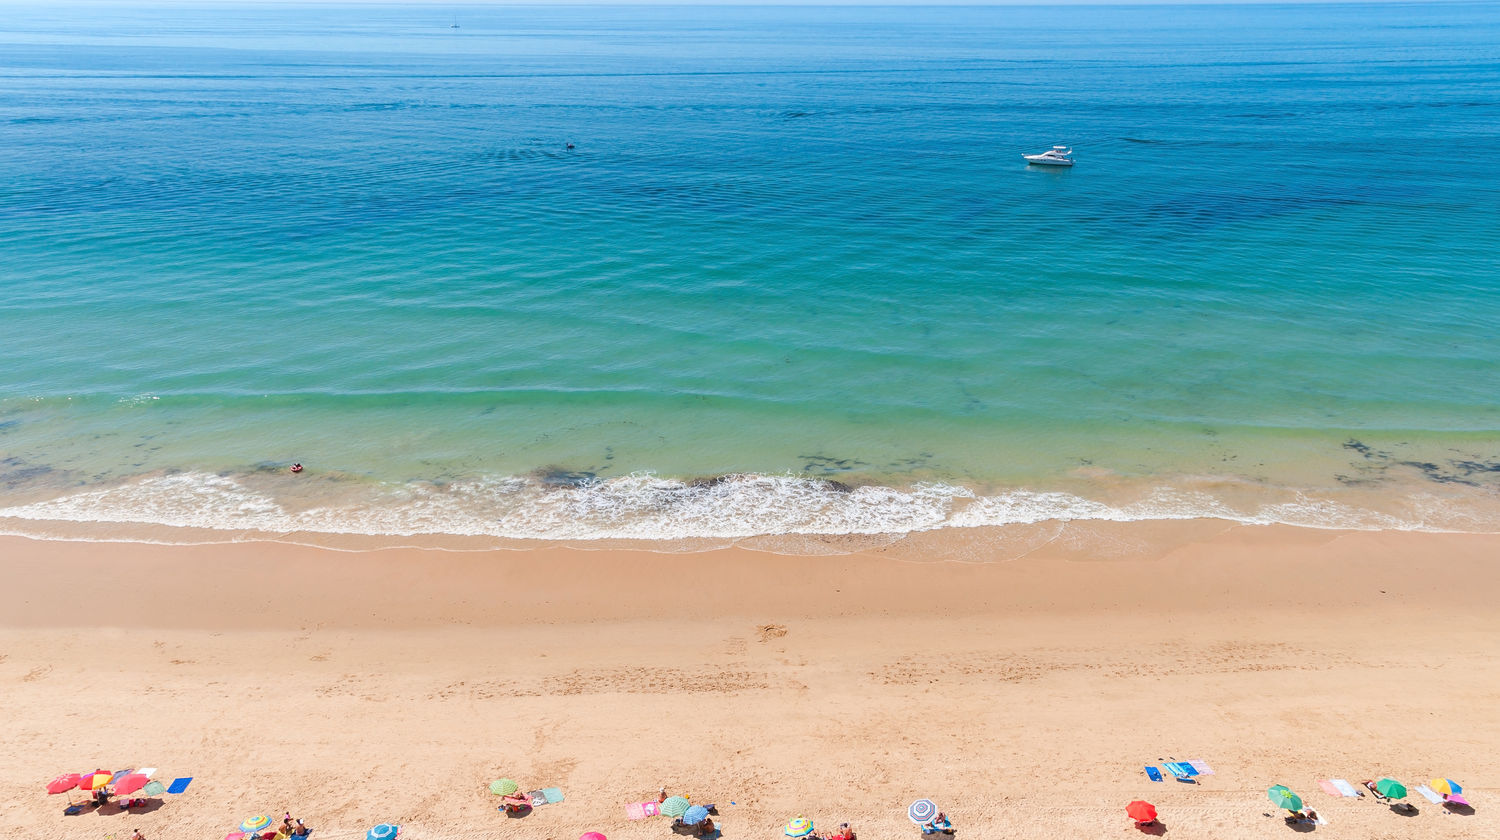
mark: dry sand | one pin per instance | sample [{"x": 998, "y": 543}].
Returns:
[{"x": 1024, "y": 696}]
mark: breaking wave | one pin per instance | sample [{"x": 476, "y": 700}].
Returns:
[{"x": 648, "y": 507}]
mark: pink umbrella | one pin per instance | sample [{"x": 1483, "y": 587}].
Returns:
[
  {"x": 130, "y": 784},
  {"x": 65, "y": 782},
  {"x": 1455, "y": 799},
  {"x": 593, "y": 835},
  {"x": 235, "y": 835}
]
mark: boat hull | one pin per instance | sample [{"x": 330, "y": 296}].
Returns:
[{"x": 1041, "y": 161}]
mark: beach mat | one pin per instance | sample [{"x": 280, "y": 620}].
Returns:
[
  {"x": 1329, "y": 788},
  {"x": 148, "y": 772},
  {"x": 552, "y": 795},
  {"x": 642, "y": 810},
  {"x": 1153, "y": 774},
  {"x": 1181, "y": 768},
  {"x": 1429, "y": 794},
  {"x": 536, "y": 797},
  {"x": 1345, "y": 788},
  {"x": 1202, "y": 768},
  {"x": 180, "y": 785}
]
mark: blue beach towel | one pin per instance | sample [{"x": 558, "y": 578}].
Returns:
[
  {"x": 553, "y": 795},
  {"x": 180, "y": 785},
  {"x": 1153, "y": 774},
  {"x": 1181, "y": 768}
]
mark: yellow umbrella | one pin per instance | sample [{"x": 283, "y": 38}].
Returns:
[
  {"x": 1446, "y": 787},
  {"x": 96, "y": 781}
]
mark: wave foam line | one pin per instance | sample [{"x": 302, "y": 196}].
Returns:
[{"x": 648, "y": 507}]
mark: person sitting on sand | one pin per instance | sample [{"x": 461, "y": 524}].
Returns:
[
  {"x": 137, "y": 835},
  {"x": 938, "y": 825},
  {"x": 843, "y": 832},
  {"x": 300, "y": 830},
  {"x": 516, "y": 803}
]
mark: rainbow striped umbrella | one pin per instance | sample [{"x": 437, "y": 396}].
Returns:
[
  {"x": 800, "y": 827},
  {"x": 504, "y": 787},
  {"x": 255, "y": 824},
  {"x": 675, "y": 806},
  {"x": 1446, "y": 787}
]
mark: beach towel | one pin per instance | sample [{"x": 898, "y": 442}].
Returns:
[
  {"x": 536, "y": 797},
  {"x": 148, "y": 772},
  {"x": 1181, "y": 768},
  {"x": 1153, "y": 774},
  {"x": 553, "y": 795},
  {"x": 1329, "y": 788},
  {"x": 1429, "y": 794},
  {"x": 180, "y": 785},
  {"x": 1202, "y": 768},
  {"x": 1345, "y": 788},
  {"x": 642, "y": 810}
]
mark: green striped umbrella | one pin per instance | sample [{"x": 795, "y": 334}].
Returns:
[
  {"x": 1283, "y": 797},
  {"x": 503, "y": 787},
  {"x": 1390, "y": 788},
  {"x": 675, "y": 806}
]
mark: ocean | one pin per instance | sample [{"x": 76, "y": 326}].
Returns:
[{"x": 571, "y": 272}]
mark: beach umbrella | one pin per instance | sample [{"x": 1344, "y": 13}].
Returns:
[
  {"x": 154, "y": 788},
  {"x": 1454, "y": 799},
  {"x": 800, "y": 827},
  {"x": 130, "y": 784},
  {"x": 235, "y": 835},
  {"x": 1447, "y": 787},
  {"x": 694, "y": 815},
  {"x": 384, "y": 831},
  {"x": 1390, "y": 788},
  {"x": 675, "y": 806},
  {"x": 65, "y": 782},
  {"x": 504, "y": 787},
  {"x": 922, "y": 811},
  {"x": 94, "y": 781},
  {"x": 255, "y": 824},
  {"x": 1284, "y": 798},
  {"x": 592, "y": 835},
  {"x": 1141, "y": 811}
]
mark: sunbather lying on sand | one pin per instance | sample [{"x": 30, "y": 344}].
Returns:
[{"x": 515, "y": 803}]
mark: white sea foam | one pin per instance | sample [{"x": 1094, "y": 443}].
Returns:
[{"x": 644, "y": 506}]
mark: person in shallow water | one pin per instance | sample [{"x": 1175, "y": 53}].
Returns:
[{"x": 296, "y": 468}]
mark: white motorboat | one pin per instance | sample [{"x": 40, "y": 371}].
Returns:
[{"x": 1055, "y": 156}]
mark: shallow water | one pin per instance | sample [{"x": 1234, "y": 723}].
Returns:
[{"x": 788, "y": 244}]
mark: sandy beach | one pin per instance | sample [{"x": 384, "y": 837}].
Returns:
[{"x": 1024, "y": 696}]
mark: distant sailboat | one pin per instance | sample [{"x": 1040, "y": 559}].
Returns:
[{"x": 455, "y": 24}]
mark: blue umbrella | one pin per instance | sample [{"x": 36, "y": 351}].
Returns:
[
  {"x": 922, "y": 811},
  {"x": 695, "y": 815},
  {"x": 384, "y": 831}
]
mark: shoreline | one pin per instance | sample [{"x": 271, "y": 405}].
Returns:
[{"x": 393, "y": 685}]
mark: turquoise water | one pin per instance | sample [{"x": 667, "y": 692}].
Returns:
[{"x": 789, "y": 245}]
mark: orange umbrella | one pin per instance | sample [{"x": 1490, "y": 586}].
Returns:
[{"x": 1141, "y": 811}]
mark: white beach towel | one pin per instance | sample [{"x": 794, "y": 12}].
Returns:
[
  {"x": 1429, "y": 794},
  {"x": 1344, "y": 787},
  {"x": 1202, "y": 768},
  {"x": 147, "y": 771}
]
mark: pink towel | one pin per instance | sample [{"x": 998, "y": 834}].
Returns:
[
  {"x": 1329, "y": 788},
  {"x": 642, "y": 810}
]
